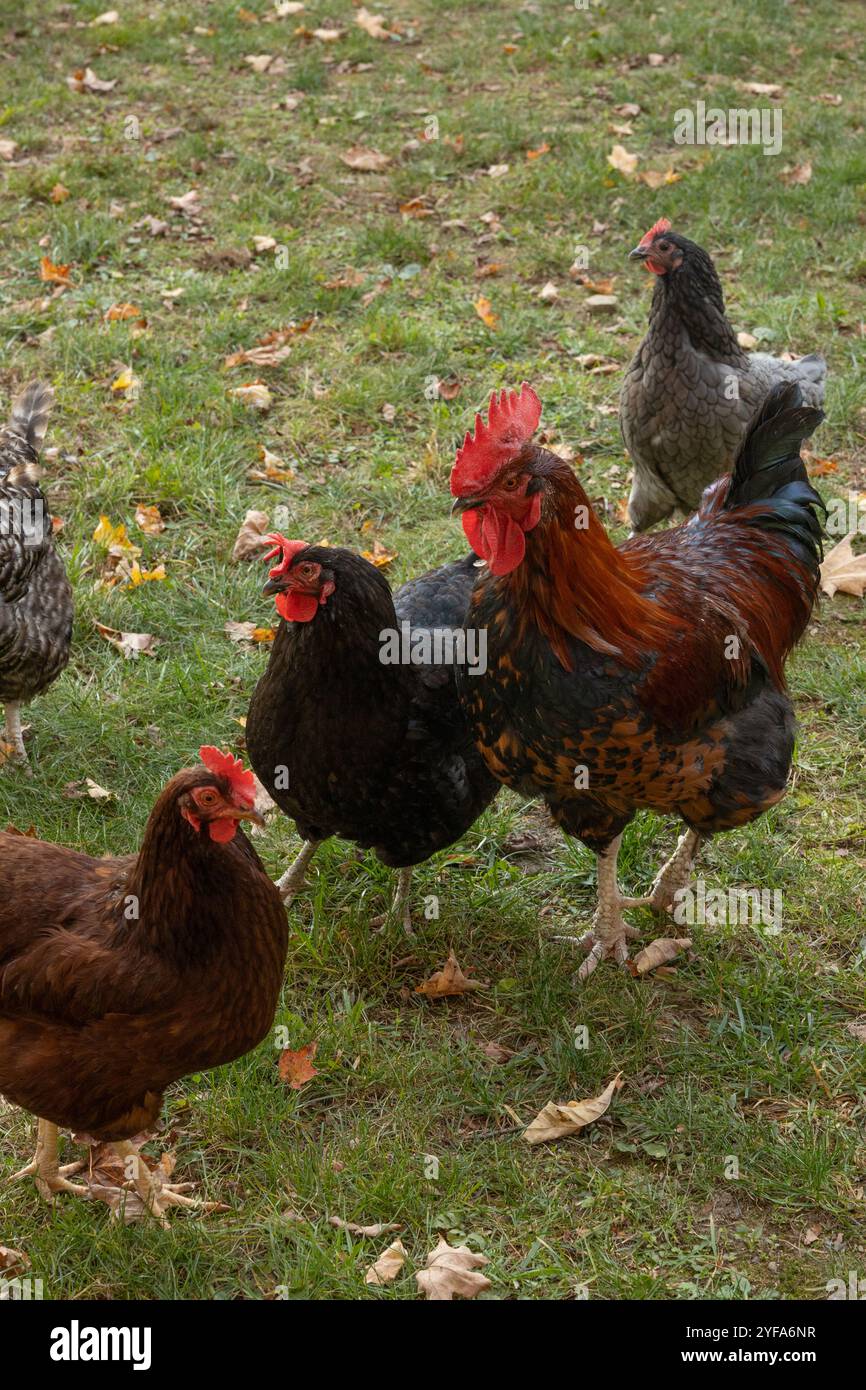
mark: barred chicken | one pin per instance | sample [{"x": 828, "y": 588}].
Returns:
[
  {"x": 35, "y": 594},
  {"x": 691, "y": 390}
]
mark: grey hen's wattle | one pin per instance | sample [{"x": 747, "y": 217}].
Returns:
[{"x": 691, "y": 390}]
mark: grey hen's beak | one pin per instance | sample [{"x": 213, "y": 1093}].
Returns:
[
  {"x": 274, "y": 586},
  {"x": 639, "y": 253}
]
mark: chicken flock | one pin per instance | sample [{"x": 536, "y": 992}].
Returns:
[{"x": 609, "y": 679}]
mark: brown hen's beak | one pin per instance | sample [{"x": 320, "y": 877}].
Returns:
[
  {"x": 639, "y": 253},
  {"x": 465, "y": 504},
  {"x": 237, "y": 813}
]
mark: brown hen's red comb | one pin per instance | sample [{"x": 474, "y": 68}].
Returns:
[
  {"x": 242, "y": 783},
  {"x": 287, "y": 549},
  {"x": 663, "y": 225},
  {"x": 512, "y": 419}
]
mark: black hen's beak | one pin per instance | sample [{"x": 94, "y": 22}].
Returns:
[
  {"x": 275, "y": 586},
  {"x": 465, "y": 504},
  {"x": 639, "y": 253}
]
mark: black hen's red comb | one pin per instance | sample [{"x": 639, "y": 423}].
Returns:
[
  {"x": 286, "y": 549},
  {"x": 663, "y": 225}
]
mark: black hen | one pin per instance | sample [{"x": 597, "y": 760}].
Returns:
[
  {"x": 35, "y": 595},
  {"x": 350, "y": 741}
]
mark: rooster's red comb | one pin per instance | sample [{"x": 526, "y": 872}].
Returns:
[
  {"x": 242, "y": 783},
  {"x": 512, "y": 419},
  {"x": 663, "y": 225},
  {"x": 286, "y": 549}
]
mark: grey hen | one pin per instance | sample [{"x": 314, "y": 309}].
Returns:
[
  {"x": 35, "y": 594},
  {"x": 690, "y": 390}
]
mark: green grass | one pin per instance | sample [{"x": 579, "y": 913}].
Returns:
[{"x": 743, "y": 1052}]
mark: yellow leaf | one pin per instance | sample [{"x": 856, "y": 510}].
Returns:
[
  {"x": 54, "y": 274},
  {"x": 620, "y": 159},
  {"x": 558, "y": 1121},
  {"x": 842, "y": 571},
  {"x": 484, "y": 310}
]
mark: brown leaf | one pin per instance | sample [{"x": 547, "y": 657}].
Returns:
[
  {"x": 543, "y": 148},
  {"x": 255, "y": 395},
  {"x": 13, "y": 1263},
  {"x": 797, "y": 173},
  {"x": 388, "y": 1265},
  {"x": 496, "y": 1052},
  {"x": 129, "y": 644},
  {"x": 149, "y": 519},
  {"x": 187, "y": 203},
  {"x": 819, "y": 468},
  {"x": 558, "y": 1121},
  {"x": 251, "y": 539},
  {"x": 379, "y": 1228},
  {"x": 857, "y": 1028},
  {"x": 297, "y": 1067},
  {"x": 372, "y": 24},
  {"x": 842, "y": 571},
  {"x": 122, "y": 311},
  {"x": 620, "y": 159},
  {"x": 273, "y": 468},
  {"x": 659, "y": 952},
  {"x": 349, "y": 280},
  {"x": 85, "y": 80},
  {"x": 379, "y": 555},
  {"x": 58, "y": 194},
  {"x": 653, "y": 178},
  {"x": 7, "y": 149},
  {"x": 487, "y": 271},
  {"x": 365, "y": 160},
  {"x": 54, "y": 274},
  {"x": 452, "y": 1271},
  {"x": 448, "y": 981},
  {"x": 448, "y": 389},
  {"x": 416, "y": 207}
]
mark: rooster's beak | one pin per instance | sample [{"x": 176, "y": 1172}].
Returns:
[
  {"x": 639, "y": 253},
  {"x": 465, "y": 504}
]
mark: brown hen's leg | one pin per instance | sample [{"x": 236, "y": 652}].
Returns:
[
  {"x": 155, "y": 1195},
  {"x": 44, "y": 1167},
  {"x": 14, "y": 736},
  {"x": 293, "y": 879}
]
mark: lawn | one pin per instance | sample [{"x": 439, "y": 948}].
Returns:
[{"x": 494, "y": 123}]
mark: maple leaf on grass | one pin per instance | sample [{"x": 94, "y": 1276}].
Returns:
[
  {"x": 843, "y": 572},
  {"x": 559, "y": 1121},
  {"x": 297, "y": 1068},
  {"x": 452, "y": 1272}
]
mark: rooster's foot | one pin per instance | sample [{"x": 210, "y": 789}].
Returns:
[
  {"x": 608, "y": 943},
  {"x": 673, "y": 877},
  {"x": 155, "y": 1195},
  {"x": 14, "y": 738},
  {"x": 400, "y": 906}
]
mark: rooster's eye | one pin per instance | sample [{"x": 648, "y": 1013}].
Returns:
[{"x": 511, "y": 481}]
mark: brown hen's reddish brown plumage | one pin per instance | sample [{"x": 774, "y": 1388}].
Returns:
[
  {"x": 656, "y": 666},
  {"x": 100, "y": 1008}
]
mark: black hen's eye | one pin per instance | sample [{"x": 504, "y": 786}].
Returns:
[{"x": 663, "y": 245}]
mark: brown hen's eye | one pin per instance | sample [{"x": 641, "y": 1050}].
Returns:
[
  {"x": 208, "y": 797},
  {"x": 512, "y": 481}
]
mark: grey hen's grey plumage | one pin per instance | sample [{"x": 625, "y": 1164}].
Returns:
[
  {"x": 691, "y": 390},
  {"x": 35, "y": 594}
]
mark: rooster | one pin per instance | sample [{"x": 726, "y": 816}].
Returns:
[
  {"x": 691, "y": 390},
  {"x": 649, "y": 675},
  {"x": 120, "y": 976},
  {"x": 35, "y": 594},
  {"x": 350, "y": 742}
]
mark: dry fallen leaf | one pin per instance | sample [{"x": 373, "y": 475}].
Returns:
[
  {"x": 484, "y": 310},
  {"x": 240, "y": 632},
  {"x": 273, "y": 468},
  {"x": 96, "y": 792},
  {"x": 297, "y": 1067},
  {"x": 255, "y": 395},
  {"x": 548, "y": 294},
  {"x": 13, "y": 1263},
  {"x": 844, "y": 572},
  {"x": 130, "y": 644},
  {"x": 187, "y": 203},
  {"x": 747, "y": 341},
  {"x": 653, "y": 178},
  {"x": 122, "y": 311},
  {"x": 797, "y": 173},
  {"x": 762, "y": 89},
  {"x": 447, "y": 981},
  {"x": 7, "y": 149},
  {"x": 620, "y": 159},
  {"x": 379, "y": 556},
  {"x": 388, "y": 1265},
  {"x": 251, "y": 539},
  {"x": 126, "y": 384},
  {"x": 452, "y": 1271},
  {"x": 149, "y": 520},
  {"x": 857, "y": 1028},
  {"x": 365, "y": 160},
  {"x": 379, "y": 1228},
  {"x": 659, "y": 952},
  {"x": 54, "y": 274},
  {"x": 372, "y": 24},
  {"x": 115, "y": 539},
  {"x": 543, "y": 148},
  {"x": 85, "y": 80},
  {"x": 59, "y": 193},
  {"x": 558, "y": 1121}
]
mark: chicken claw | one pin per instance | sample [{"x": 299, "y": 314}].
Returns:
[
  {"x": 155, "y": 1195},
  {"x": 400, "y": 907},
  {"x": 50, "y": 1177},
  {"x": 293, "y": 879}
]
